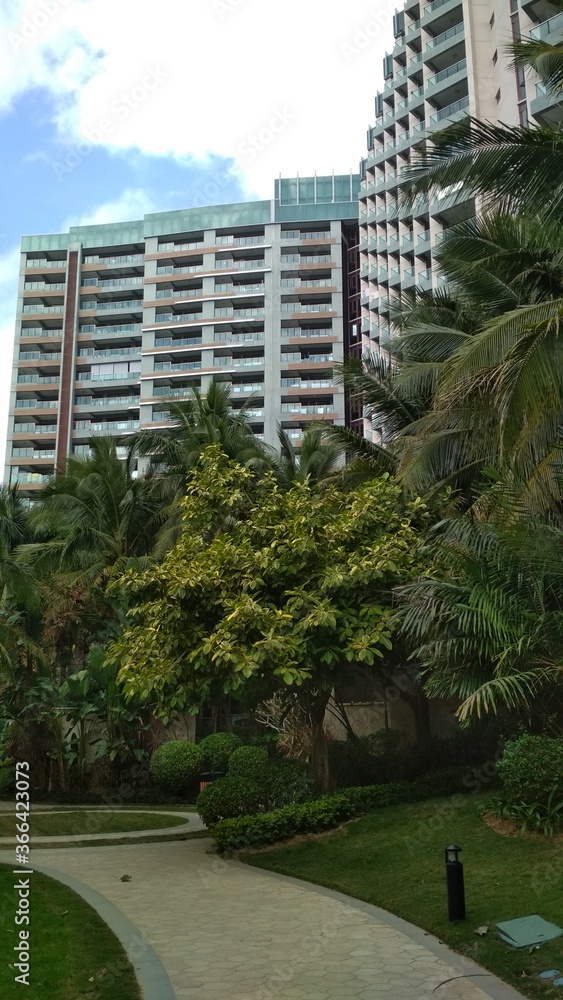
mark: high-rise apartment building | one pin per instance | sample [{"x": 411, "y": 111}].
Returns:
[
  {"x": 115, "y": 321},
  {"x": 449, "y": 60}
]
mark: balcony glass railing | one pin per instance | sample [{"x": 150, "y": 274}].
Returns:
[
  {"x": 170, "y": 393},
  {"x": 40, "y": 356},
  {"x": 112, "y": 282},
  {"x": 37, "y": 404},
  {"x": 238, "y": 314},
  {"x": 307, "y": 383},
  {"x": 29, "y": 477},
  {"x": 240, "y": 265},
  {"x": 297, "y": 408},
  {"x": 45, "y": 286},
  {"x": 38, "y": 307},
  {"x": 300, "y": 307},
  {"x": 89, "y": 352},
  {"x": 243, "y": 387},
  {"x": 182, "y": 342},
  {"x": 167, "y": 366},
  {"x": 31, "y": 453},
  {"x": 298, "y": 331},
  {"x": 101, "y": 331},
  {"x": 106, "y": 426},
  {"x": 296, "y": 234},
  {"x": 131, "y": 304},
  {"x": 296, "y": 258},
  {"x": 169, "y": 269},
  {"x": 38, "y": 379},
  {"x": 444, "y": 74},
  {"x": 545, "y": 31},
  {"x": 445, "y": 36},
  {"x": 45, "y": 263},
  {"x": 177, "y": 317},
  {"x": 239, "y": 289},
  {"x": 90, "y": 401},
  {"x": 309, "y": 359},
  {"x": 180, "y": 246},
  {"x": 239, "y": 241},
  {"x": 452, "y": 109},
  {"x": 33, "y": 429},
  {"x": 238, "y": 338},
  {"x": 107, "y": 376},
  {"x": 38, "y": 331},
  {"x": 130, "y": 258}
]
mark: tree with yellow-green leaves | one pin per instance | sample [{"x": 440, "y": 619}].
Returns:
[{"x": 268, "y": 589}]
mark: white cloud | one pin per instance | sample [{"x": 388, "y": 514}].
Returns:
[
  {"x": 278, "y": 87},
  {"x": 132, "y": 204}
]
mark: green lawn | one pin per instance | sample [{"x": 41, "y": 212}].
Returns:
[
  {"x": 87, "y": 822},
  {"x": 69, "y": 946},
  {"x": 394, "y": 858}
]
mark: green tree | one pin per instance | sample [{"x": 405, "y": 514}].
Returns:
[
  {"x": 486, "y": 620},
  {"x": 294, "y": 588}
]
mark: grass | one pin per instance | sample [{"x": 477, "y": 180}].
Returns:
[
  {"x": 394, "y": 858},
  {"x": 89, "y": 821},
  {"x": 119, "y": 842},
  {"x": 70, "y": 946}
]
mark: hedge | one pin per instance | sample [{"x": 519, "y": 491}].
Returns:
[{"x": 306, "y": 817}]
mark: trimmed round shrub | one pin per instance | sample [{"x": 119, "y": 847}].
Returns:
[
  {"x": 217, "y": 749},
  {"x": 175, "y": 766},
  {"x": 531, "y": 767},
  {"x": 248, "y": 762},
  {"x": 228, "y": 797}
]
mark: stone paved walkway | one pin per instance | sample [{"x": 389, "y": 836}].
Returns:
[{"x": 226, "y": 931}]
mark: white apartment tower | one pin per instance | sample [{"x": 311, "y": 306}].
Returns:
[{"x": 449, "y": 60}]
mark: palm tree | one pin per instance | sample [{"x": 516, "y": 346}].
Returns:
[
  {"x": 319, "y": 458},
  {"x": 200, "y": 421},
  {"x": 486, "y": 622},
  {"x": 94, "y": 517}
]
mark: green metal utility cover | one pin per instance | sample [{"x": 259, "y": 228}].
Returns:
[{"x": 527, "y": 931}]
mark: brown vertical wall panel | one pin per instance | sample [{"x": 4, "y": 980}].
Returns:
[{"x": 67, "y": 361}]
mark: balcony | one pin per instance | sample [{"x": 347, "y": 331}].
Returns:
[
  {"x": 300, "y": 307},
  {"x": 307, "y": 383},
  {"x": 106, "y": 401},
  {"x": 44, "y": 286},
  {"x": 39, "y": 332},
  {"x": 32, "y": 454},
  {"x": 550, "y": 31},
  {"x": 240, "y": 265},
  {"x": 102, "y": 331},
  {"x": 183, "y": 366},
  {"x": 131, "y": 376},
  {"x": 29, "y": 477},
  {"x": 106, "y": 426},
  {"x": 296, "y": 234},
  {"x": 38, "y": 307},
  {"x": 135, "y": 282},
  {"x": 313, "y": 359},
  {"x": 297, "y": 331},
  {"x": 240, "y": 314},
  {"x": 33, "y": 429},
  {"x": 547, "y": 106},
  {"x": 42, "y": 263},
  {"x": 446, "y": 47},
  {"x": 171, "y": 269},
  {"x": 453, "y": 112},
  {"x": 40, "y": 356},
  {"x": 132, "y": 305},
  {"x": 131, "y": 258},
  {"x": 37, "y": 404},
  {"x": 299, "y": 409},
  {"x": 38, "y": 379}
]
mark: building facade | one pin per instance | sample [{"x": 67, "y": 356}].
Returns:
[
  {"x": 115, "y": 321},
  {"x": 448, "y": 61}
]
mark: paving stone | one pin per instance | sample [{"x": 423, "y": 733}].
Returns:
[{"x": 226, "y": 931}]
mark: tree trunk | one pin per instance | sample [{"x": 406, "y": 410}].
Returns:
[
  {"x": 226, "y": 703},
  {"x": 319, "y": 752}
]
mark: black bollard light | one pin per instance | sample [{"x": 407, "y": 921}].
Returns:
[{"x": 454, "y": 882}]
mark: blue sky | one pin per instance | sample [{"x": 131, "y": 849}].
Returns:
[{"x": 110, "y": 109}]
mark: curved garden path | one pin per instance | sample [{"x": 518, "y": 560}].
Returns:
[{"x": 222, "y": 930}]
